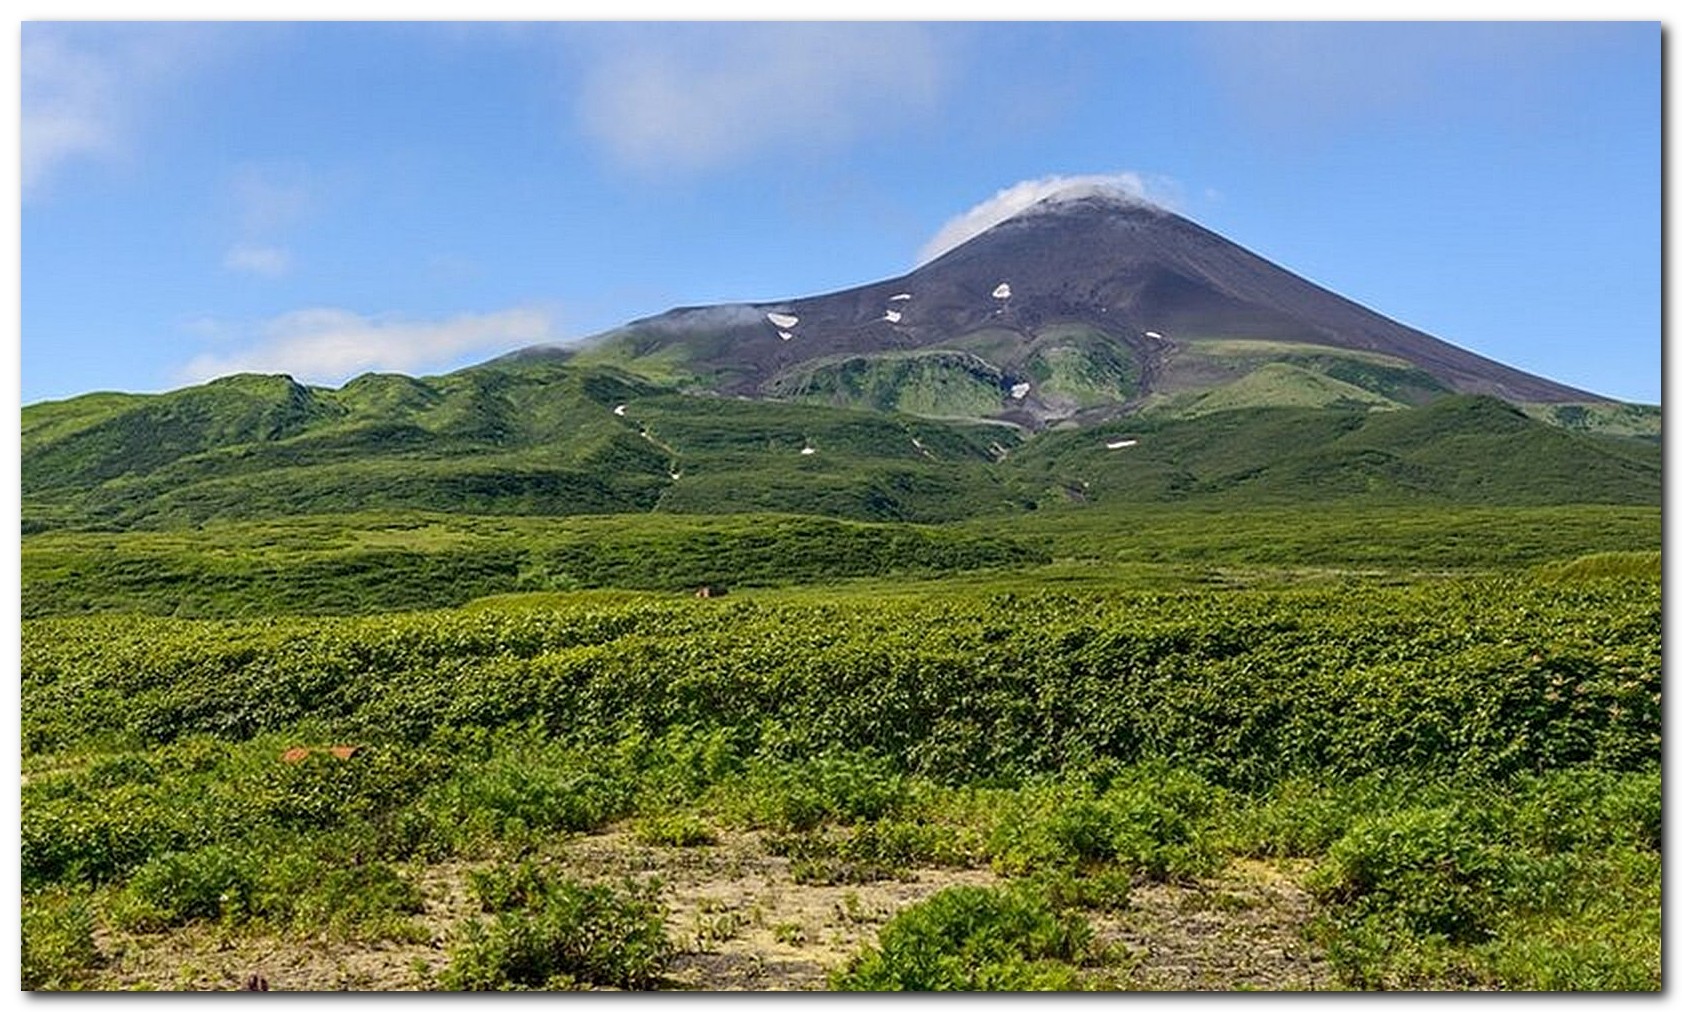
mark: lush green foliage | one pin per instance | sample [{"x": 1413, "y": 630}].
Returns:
[
  {"x": 1149, "y": 818},
  {"x": 58, "y": 948},
  {"x": 1369, "y": 539},
  {"x": 384, "y": 562},
  {"x": 1605, "y": 564},
  {"x": 1470, "y": 761},
  {"x": 1486, "y": 676},
  {"x": 549, "y": 932},
  {"x": 1522, "y": 885},
  {"x": 967, "y": 938}
]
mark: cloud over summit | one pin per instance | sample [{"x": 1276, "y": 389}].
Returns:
[{"x": 1018, "y": 197}]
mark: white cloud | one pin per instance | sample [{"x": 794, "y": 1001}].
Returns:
[
  {"x": 333, "y": 345},
  {"x": 267, "y": 202},
  {"x": 263, "y": 261},
  {"x": 1018, "y": 197},
  {"x": 85, "y": 87},
  {"x": 270, "y": 198},
  {"x": 700, "y": 96},
  {"x": 70, "y": 106}
]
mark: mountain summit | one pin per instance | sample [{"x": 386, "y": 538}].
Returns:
[{"x": 1087, "y": 304}]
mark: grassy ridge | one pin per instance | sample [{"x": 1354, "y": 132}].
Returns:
[
  {"x": 1460, "y": 451},
  {"x": 545, "y": 438}
]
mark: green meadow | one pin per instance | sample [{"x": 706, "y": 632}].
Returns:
[{"x": 1420, "y": 745}]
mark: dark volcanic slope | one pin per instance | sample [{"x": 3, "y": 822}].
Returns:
[{"x": 1098, "y": 260}]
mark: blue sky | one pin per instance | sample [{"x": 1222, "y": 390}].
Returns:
[{"x": 325, "y": 199}]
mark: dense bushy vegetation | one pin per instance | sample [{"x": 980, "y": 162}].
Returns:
[
  {"x": 973, "y": 939},
  {"x": 1472, "y": 763},
  {"x": 550, "y": 933},
  {"x": 1480, "y": 676}
]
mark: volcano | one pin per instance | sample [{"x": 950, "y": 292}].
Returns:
[
  {"x": 1086, "y": 305},
  {"x": 1092, "y": 348}
]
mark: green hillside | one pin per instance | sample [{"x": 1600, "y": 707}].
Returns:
[
  {"x": 938, "y": 383},
  {"x": 1454, "y": 450},
  {"x": 547, "y": 438},
  {"x": 1277, "y": 384},
  {"x": 1640, "y": 421},
  {"x": 516, "y": 439},
  {"x": 1207, "y": 364}
]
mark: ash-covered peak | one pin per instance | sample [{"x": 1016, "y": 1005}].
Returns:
[
  {"x": 1112, "y": 193},
  {"x": 1090, "y": 198}
]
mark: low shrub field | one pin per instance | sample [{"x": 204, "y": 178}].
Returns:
[{"x": 1462, "y": 774}]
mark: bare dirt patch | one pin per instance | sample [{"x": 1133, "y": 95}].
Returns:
[
  {"x": 1240, "y": 930},
  {"x": 741, "y": 922}
]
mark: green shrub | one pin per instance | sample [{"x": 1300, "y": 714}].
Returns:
[
  {"x": 313, "y": 895},
  {"x": 1435, "y": 870},
  {"x": 1106, "y": 889},
  {"x": 834, "y": 787},
  {"x": 211, "y": 883},
  {"x": 1150, "y": 819},
  {"x": 520, "y": 794},
  {"x": 678, "y": 829},
  {"x": 58, "y": 950},
  {"x": 1604, "y": 565},
  {"x": 872, "y": 851},
  {"x": 968, "y": 938},
  {"x": 1304, "y": 816},
  {"x": 1575, "y": 808},
  {"x": 549, "y": 933}
]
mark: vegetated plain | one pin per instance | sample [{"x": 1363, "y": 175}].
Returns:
[{"x": 1369, "y": 746}]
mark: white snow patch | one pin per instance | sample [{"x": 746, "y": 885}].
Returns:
[
  {"x": 785, "y": 335},
  {"x": 892, "y": 316},
  {"x": 1003, "y": 291},
  {"x": 620, "y": 411},
  {"x": 1121, "y": 444},
  {"x": 1019, "y": 391},
  {"x": 1152, "y": 333},
  {"x": 901, "y": 297},
  {"x": 782, "y": 320},
  {"x": 807, "y": 451}
]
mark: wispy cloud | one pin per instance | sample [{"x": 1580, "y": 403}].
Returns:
[
  {"x": 333, "y": 345},
  {"x": 1312, "y": 77},
  {"x": 263, "y": 261},
  {"x": 1018, "y": 197},
  {"x": 268, "y": 201},
  {"x": 696, "y": 97},
  {"x": 269, "y": 198},
  {"x": 85, "y": 88},
  {"x": 69, "y": 106}
]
